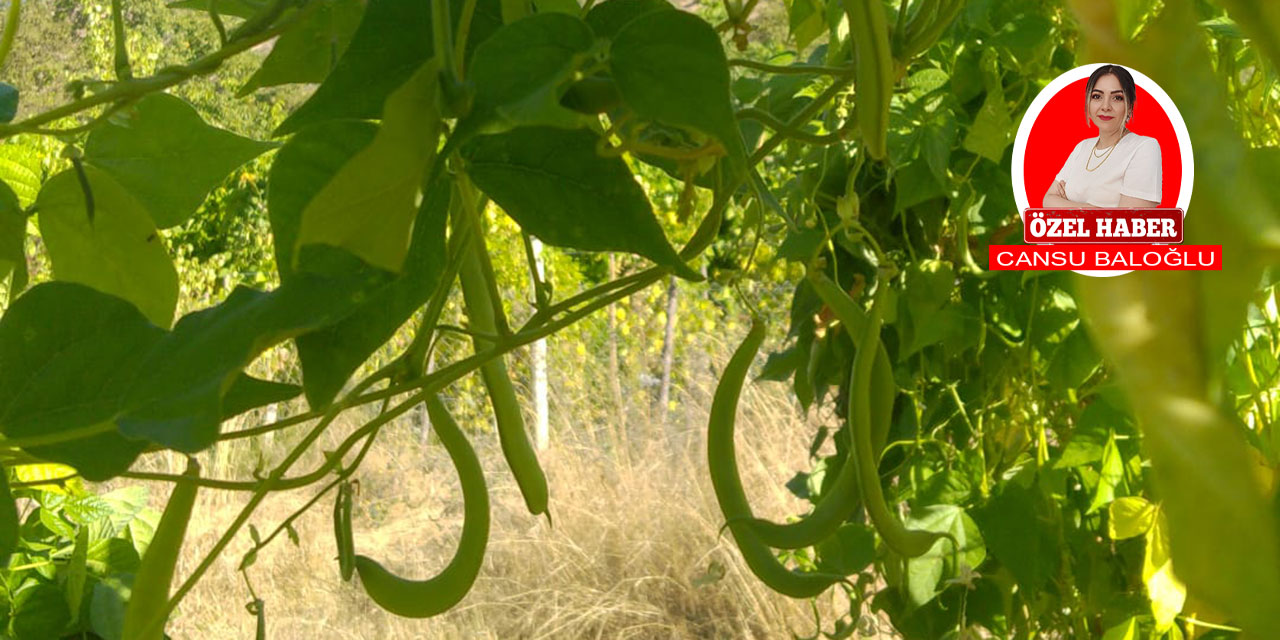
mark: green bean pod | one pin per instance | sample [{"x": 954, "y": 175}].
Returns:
[
  {"x": 426, "y": 598},
  {"x": 150, "y": 592},
  {"x": 873, "y": 73},
  {"x": 723, "y": 465},
  {"x": 342, "y": 531},
  {"x": 883, "y": 388},
  {"x": 921, "y": 39},
  {"x": 842, "y": 498},
  {"x": 909, "y": 543},
  {"x": 516, "y": 447}
]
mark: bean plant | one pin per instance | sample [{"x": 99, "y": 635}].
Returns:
[{"x": 1012, "y": 455}]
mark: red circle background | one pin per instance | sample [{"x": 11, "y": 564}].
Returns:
[{"x": 1061, "y": 125}]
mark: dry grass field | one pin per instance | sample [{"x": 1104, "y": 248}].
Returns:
[{"x": 635, "y": 550}]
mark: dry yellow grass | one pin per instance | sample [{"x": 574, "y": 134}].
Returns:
[{"x": 632, "y": 536}]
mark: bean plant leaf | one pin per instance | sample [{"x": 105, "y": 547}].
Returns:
[
  {"x": 1127, "y": 630},
  {"x": 107, "y": 608},
  {"x": 393, "y": 40},
  {"x": 66, "y": 354},
  {"x": 1130, "y": 517},
  {"x": 670, "y": 67},
  {"x": 330, "y": 355},
  {"x": 568, "y": 7},
  {"x": 39, "y": 612},
  {"x": 1092, "y": 430},
  {"x": 608, "y": 18},
  {"x": 850, "y": 550},
  {"x": 1008, "y": 525},
  {"x": 806, "y": 21},
  {"x": 77, "y": 572},
  {"x": 8, "y": 102},
  {"x": 20, "y": 168},
  {"x": 33, "y": 473},
  {"x": 1110, "y": 476},
  {"x": 165, "y": 155},
  {"x": 369, "y": 206},
  {"x": 234, "y": 8},
  {"x": 555, "y": 186},
  {"x": 302, "y": 167},
  {"x": 989, "y": 135},
  {"x": 1167, "y": 593},
  {"x": 924, "y": 572},
  {"x": 247, "y": 393},
  {"x": 1074, "y": 362},
  {"x": 117, "y": 251},
  {"x": 8, "y": 519},
  {"x": 310, "y": 49},
  {"x": 13, "y": 236},
  {"x": 113, "y": 556},
  {"x": 521, "y": 71},
  {"x": 177, "y": 400}
]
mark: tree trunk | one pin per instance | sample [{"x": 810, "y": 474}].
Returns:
[
  {"x": 542, "y": 423},
  {"x": 668, "y": 350},
  {"x": 615, "y": 374}
]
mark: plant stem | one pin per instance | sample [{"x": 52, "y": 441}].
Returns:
[
  {"x": 135, "y": 88},
  {"x": 11, "y": 20},
  {"x": 796, "y": 69}
]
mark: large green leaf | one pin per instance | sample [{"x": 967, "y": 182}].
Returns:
[
  {"x": 521, "y": 71},
  {"x": 39, "y": 612},
  {"x": 13, "y": 235},
  {"x": 177, "y": 400},
  {"x": 20, "y": 168},
  {"x": 671, "y": 67},
  {"x": 167, "y": 156},
  {"x": 117, "y": 251},
  {"x": 924, "y": 572},
  {"x": 302, "y": 167},
  {"x": 608, "y": 18},
  {"x": 394, "y": 39},
  {"x": 310, "y": 49},
  {"x": 369, "y": 205},
  {"x": 555, "y": 186},
  {"x": 1009, "y": 527},
  {"x": 330, "y": 355},
  {"x": 67, "y": 353}
]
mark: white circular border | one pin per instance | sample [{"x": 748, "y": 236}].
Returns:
[{"x": 1051, "y": 90}]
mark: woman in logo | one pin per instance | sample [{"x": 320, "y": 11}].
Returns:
[{"x": 1118, "y": 168}]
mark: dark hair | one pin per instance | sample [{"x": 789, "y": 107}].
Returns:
[{"x": 1126, "y": 84}]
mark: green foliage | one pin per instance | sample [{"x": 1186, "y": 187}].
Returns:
[
  {"x": 74, "y": 556},
  {"x": 166, "y": 156},
  {"x": 1028, "y": 464},
  {"x": 97, "y": 235},
  {"x": 552, "y": 182}
]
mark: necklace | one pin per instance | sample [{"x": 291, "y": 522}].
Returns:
[{"x": 1104, "y": 157}]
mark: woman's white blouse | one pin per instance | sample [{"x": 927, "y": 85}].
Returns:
[{"x": 1133, "y": 169}]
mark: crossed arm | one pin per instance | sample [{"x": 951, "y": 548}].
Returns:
[{"x": 1056, "y": 196}]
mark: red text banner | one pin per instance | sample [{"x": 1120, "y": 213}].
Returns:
[
  {"x": 1139, "y": 257},
  {"x": 1102, "y": 226}
]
